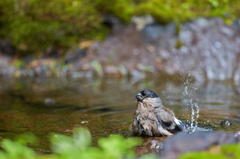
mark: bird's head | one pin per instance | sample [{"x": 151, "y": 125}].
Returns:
[{"x": 148, "y": 97}]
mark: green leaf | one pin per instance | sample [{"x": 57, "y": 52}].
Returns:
[
  {"x": 116, "y": 146},
  {"x": 25, "y": 138},
  {"x": 61, "y": 144},
  {"x": 149, "y": 156},
  {"x": 3, "y": 155},
  {"x": 82, "y": 138},
  {"x": 16, "y": 150},
  {"x": 97, "y": 67}
]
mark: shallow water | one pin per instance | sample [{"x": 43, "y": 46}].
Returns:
[{"x": 106, "y": 106}]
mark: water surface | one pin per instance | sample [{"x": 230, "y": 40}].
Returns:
[{"x": 106, "y": 106}]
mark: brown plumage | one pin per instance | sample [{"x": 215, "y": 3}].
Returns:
[{"x": 152, "y": 118}]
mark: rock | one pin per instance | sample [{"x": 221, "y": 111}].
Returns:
[
  {"x": 182, "y": 143},
  {"x": 208, "y": 50},
  {"x": 112, "y": 71},
  {"x": 76, "y": 55},
  {"x": 141, "y": 21},
  {"x": 6, "y": 47},
  {"x": 49, "y": 102},
  {"x": 225, "y": 123},
  {"x": 110, "y": 20}
]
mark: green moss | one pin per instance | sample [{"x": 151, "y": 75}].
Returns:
[
  {"x": 33, "y": 25},
  {"x": 123, "y": 9},
  {"x": 179, "y": 44},
  {"x": 200, "y": 155},
  {"x": 226, "y": 151}
]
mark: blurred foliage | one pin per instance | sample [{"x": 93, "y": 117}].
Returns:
[
  {"x": 224, "y": 152},
  {"x": 78, "y": 146},
  {"x": 18, "y": 148},
  {"x": 34, "y": 25},
  {"x": 97, "y": 67},
  {"x": 113, "y": 147}
]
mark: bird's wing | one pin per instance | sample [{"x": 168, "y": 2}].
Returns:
[{"x": 167, "y": 120}]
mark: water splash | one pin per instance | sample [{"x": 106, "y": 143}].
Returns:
[{"x": 190, "y": 102}]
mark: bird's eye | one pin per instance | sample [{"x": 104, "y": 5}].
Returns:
[{"x": 143, "y": 93}]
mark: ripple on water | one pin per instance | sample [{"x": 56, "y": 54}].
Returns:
[{"x": 106, "y": 106}]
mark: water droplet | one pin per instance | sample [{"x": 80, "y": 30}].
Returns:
[{"x": 192, "y": 103}]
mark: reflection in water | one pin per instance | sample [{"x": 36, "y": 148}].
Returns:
[{"x": 106, "y": 106}]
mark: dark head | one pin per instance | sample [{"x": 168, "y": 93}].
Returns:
[{"x": 146, "y": 94}]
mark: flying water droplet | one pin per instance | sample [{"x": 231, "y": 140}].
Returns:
[{"x": 192, "y": 103}]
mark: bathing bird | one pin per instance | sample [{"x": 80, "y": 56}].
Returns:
[{"x": 152, "y": 118}]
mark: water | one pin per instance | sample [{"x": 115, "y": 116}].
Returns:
[
  {"x": 190, "y": 102},
  {"x": 106, "y": 106}
]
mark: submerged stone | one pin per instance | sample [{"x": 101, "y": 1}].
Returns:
[{"x": 199, "y": 141}]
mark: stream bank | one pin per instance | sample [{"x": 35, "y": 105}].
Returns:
[{"x": 206, "y": 49}]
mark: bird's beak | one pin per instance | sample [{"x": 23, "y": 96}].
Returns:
[{"x": 139, "y": 97}]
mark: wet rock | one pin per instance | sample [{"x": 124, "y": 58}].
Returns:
[
  {"x": 6, "y": 69},
  {"x": 142, "y": 21},
  {"x": 42, "y": 67},
  {"x": 121, "y": 48},
  {"x": 160, "y": 34},
  {"x": 206, "y": 49},
  {"x": 6, "y": 47},
  {"x": 225, "y": 123},
  {"x": 137, "y": 75},
  {"x": 51, "y": 52},
  {"x": 112, "y": 71},
  {"x": 74, "y": 56},
  {"x": 237, "y": 135},
  {"x": 110, "y": 20},
  {"x": 236, "y": 24},
  {"x": 49, "y": 102},
  {"x": 199, "y": 141},
  {"x": 209, "y": 49}
]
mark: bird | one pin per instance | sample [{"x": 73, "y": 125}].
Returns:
[{"x": 152, "y": 118}]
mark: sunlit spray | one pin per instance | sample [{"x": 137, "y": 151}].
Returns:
[{"x": 190, "y": 102}]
